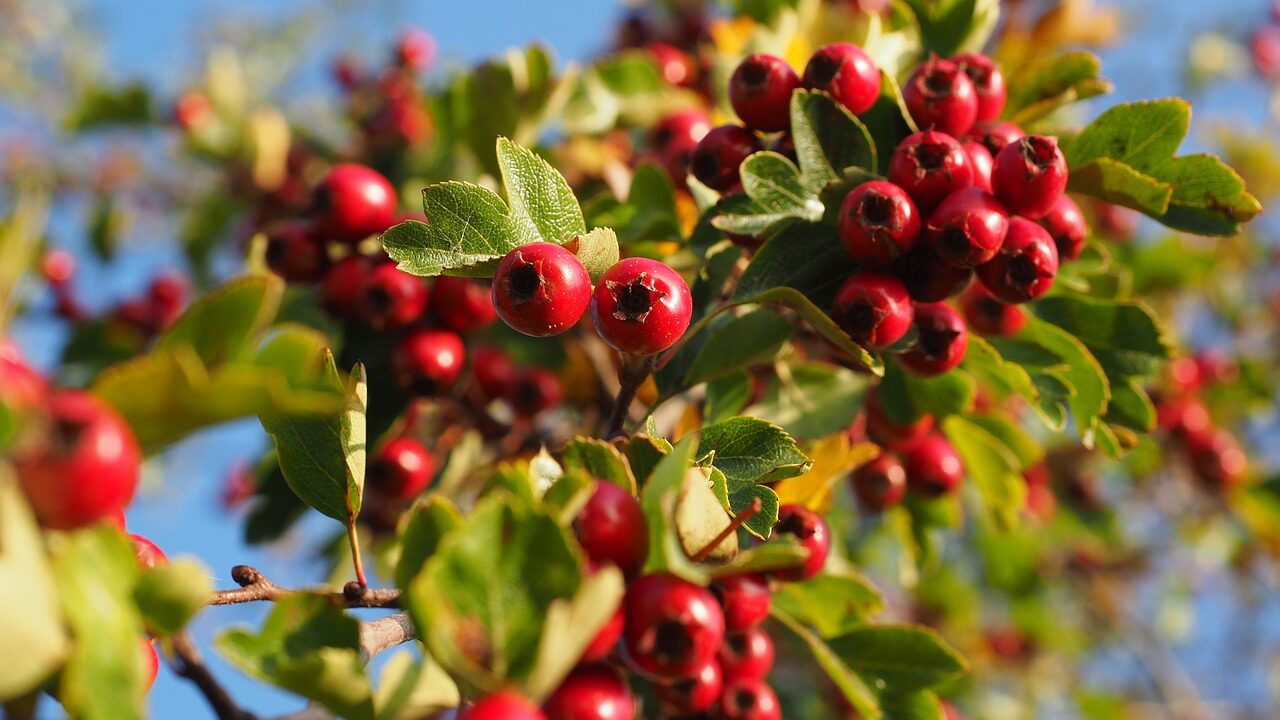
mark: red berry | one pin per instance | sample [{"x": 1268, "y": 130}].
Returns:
[
  {"x": 611, "y": 528},
  {"x": 541, "y": 289},
  {"x": 428, "y": 362},
  {"x": 745, "y": 600},
  {"x": 940, "y": 96},
  {"x": 990, "y": 317},
  {"x": 165, "y": 298},
  {"x": 676, "y": 66},
  {"x": 1183, "y": 417},
  {"x": 941, "y": 340},
  {"x": 933, "y": 466},
  {"x": 416, "y": 49},
  {"x": 928, "y": 278},
  {"x": 1265, "y": 47},
  {"x": 673, "y": 627},
  {"x": 888, "y": 433},
  {"x": 296, "y": 253},
  {"x": 191, "y": 111},
  {"x": 148, "y": 553},
  {"x": 57, "y": 267},
  {"x": 343, "y": 286},
  {"x": 949, "y": 712},
  {"x": 930, "y": 166},
  {"x": 1065, "y": 223},
  {"x": 86, "y": 469},
  {"x": 1114, "y": 221},
  {"x": 353, "y": 202},
  {"x": 150, "y": 662},
  {"x": 1026, "y": 265},
  {"x": 718, "y": 155},
  {"x": 968, "y": 228},
  {"x": 403, "y": 469},
  {"x": 1030, "y": 175},
  {"x": 873, "y": 308},
  {"x": 392, "y": 298},
  {"x": 846, "y": 73},
  {"x": 504, "y": 705},
  {"x": 591, "y": 692},
  {"x": 988, "y": 83},
  {"x": 641, "y": 306},
  {"x": 809, "y": 530},
  {"x": 881, "y": 483},
  {"x": 1217, "y": 459},
  {"x": 749, "y": 699},
  {"x": 760, "y": 92},
  {"x": 535, "y": 390},
  {"x": 606, "y": 638},
  {"x": 698, "y": 692},
  {"x": 981, "y": 163},
  {"x": 878, "y": 222},
  {"x": 494, "y": 372},
  {"x": 994, "y": 134},
  {"x": 21, "y": 387},
  {"x": 746, "y": 654},
  {"x": 674, "y": 138},
  {"x": 461, "y": 305}
]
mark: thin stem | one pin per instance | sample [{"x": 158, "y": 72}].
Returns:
[
  {"x": 255, "y": 587},
  {"x": 738, "y": 521},
  {"x": 354, "y": 537},
  {"x": 186, "y": 662},
  {"x": 631, "y": 375}
]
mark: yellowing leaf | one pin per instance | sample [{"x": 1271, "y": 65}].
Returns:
[
  {"x": 690, "y": 422},
  {"x": 833, "y": 459}
]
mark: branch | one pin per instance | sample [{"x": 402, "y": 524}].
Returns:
[
  {"x": 632, "y": 373},
  {"x": 255, "y": 587},
  {"x": 186, "y": 662}
]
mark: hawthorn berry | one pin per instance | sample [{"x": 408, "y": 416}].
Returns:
[
  {"x": 611, "y": 528},
  {"x": 676, "y": 66},
  {"x": 930, "y": 166},
  {"x": 994, "y": 134},
  {"x": 760, "y": 92},
  {"x": 718, "y": 155},
  {"x": 928, "y": 278},
  {"x": 878, "y": 222},
  {"x": 641, "y": 306},
  {"x": 940, "y": 96},
  {"x": 968, "y": 228},
  {"x": 675, "y": 137},
  {"x": 881, "y": 483},
  {"x": 1114, "y": 221},
  {"x": 696, "y": 692},
  {"x": 57, "y": 267},
  {"x": 191, "y": 111},
  {"x": 1264, "y": 46},
  {"x": 606, "y": 638},
  {"x": 873, "y": 308},
  {"x": 981, "y": 163},
  {"x": 343, "y": 285},
  {"x": 1030, "y": 175},
  {"x": 541, "y": 289},
  {"x": 988, "y": 83},
  {"x": 941, "y": 340},
  {"x": 887, "y": 432},
  {"x": 165, "y": 297},
  {"x": 749, "y": 699},
  {"x": 428, "y": 362},
  {"x": 85, "y": 469},
  {"x": 933, "y": 466},
  {"x": 673, "y": 627},
  {"x": 403, "y": 469},
  {"x": 990, "y": 317},
  {"x": 745, "y": 600},
  {"x": 392, "y": 298},
  {"x": 148, "y": 553},
  {"x": 150, "y": 662},
  {"x": 746, "y": 654},
  {"x": 1026, "y": 265},
  {"x": 461, "y": 305},
  {"x": 591, "y": 692},
  {"x": 296, "y": 253},
  {"x": 493, "y": 371},
  {"x": 809, "y": 530},
  {"x": 353, "y": 202},
  {"x": 416, "y": 49},
  {"x": 846, "y": 73},
  {"x": 502, "y": 705},
  {"x": 1217, "y": 459},
  {"x": 535, "y": 390},
  {"x": 1065, "y": 223}
]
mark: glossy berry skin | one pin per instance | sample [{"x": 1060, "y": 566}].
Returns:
[
  {"x": 611, "y": 528},
  {"x": 697, "y": 692},
  {"x": 749, "y": 699},
  {"x": 990, "y": 317},
  {"x": 967, "y": 229},
  {"x": 873, "y": 308},
  {"x": 881, "y": 483},
  {"x": 933, "y": 466},
  {"x": 930, "y": 166},
  {"x": 535, "y": 390},
  {"x": 846, "y": 73},
  {"x": 295, "y": 253},
  {"x": 494, "y": 372},
  {"x": 941, "y": 341},
  {"x": 988, "y": 83},
  {"x": 1066, "y": 225},
  {"x": 673, "y": 627},
  {"x": 809, "y": 530},
  {"x": 461, "y": 305},
  {"x": 940, "y": 96},
  {"x": 403, "y": 469},
  {"x": 86, "y": 470},
  {"x": 1026, "y": 265},
  {"x": 676, "y": 66},
  {"x": 342, "y": 288},
  {"x": 981, "y": 163},
  {"x": 674, "y": 139},
  {"x": 392, "y": 298},
  {"x": 718, "y": 155},
  {"x": 541, "y": 289},
  {"x": 503, "y": 705},
  {"x": 641, "y": 306},
  {"x": 148, "y": 553},
  {"x": 591, "y": 692},
  {"x": 930, "y": 279},
  {"x": 1030, "y": 175},
  {"x": 353, "y": 202},
  {"x": 428, "y": 362},
  {"x": 606, "y": 638},
  {"x": 745, "y": 599},
  {"x": 887, "y": 432},
  {"x": 1217, "y": 459},
  {"x": 760, "y": 92},
  {"x": 994, "y": 134},
  {"x": 746, "y": 654},
  {"x": 878, "y": 223}
]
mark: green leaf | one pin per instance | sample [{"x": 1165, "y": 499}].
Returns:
[
  {"x": 820, "y": 322},
  {"x": 101, "y": 107},
  {"x": 430, "y": 520},
  {"x": 1114, "y": 182},
  {"x": 774, "y": 194},
  {"x": 411, "y": 689},
  {"x": 1124, "y": 336},
  {"x": 307, "y": 646},
  {"x": 813, "y": 401},
  {"x": 1046, "y": 84},
  {"x": 659, "y": 502},
  {"x": 828, "y": 138},
  {"x": 911, "y": 396},
  {"x": 701, "y": 514},
  {"x": 570, "y": 627},
  {"x": 468, "y": 227},
  {"x": 652, "y": 200},
  {"x": 1058, "y": 356},
  {"x": 171, "y": 594},
  {"x": 903, "y": 657},
  {"x": 808, "y": 258},
  {"x": 992, "y": 467},
  {"x": 598, "y": 459},
  {"x": 775, "y": 554},
  {"x": 596, "y": 250},
  {"x": 727, "y": 396},
  {"x": 832, "y": 603},
  {"x": 752, "y": 450},
  {"x": 743, "y": 341},
  {"x": 224, "y": 323},
  {"x": 948, "y": 27},
  {"x": 918, "y": 705},
  {"x": 1141, "y": 135},
  {"x": 984, "y": 362},
  {"x": 1209, "y": 198},
  {"x": 484, "y": 105},
  {"x": 854, "y": 689},
  {"x": 542, "y": 203},
  {"x": 643, "y": 453}
]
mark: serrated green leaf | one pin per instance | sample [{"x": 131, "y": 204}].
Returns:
[
  {"x": 831, "y": 603},
  {"x": 1141, "y": 135},
  {"x": 596, "y": 250},
  {"x": 808, "y": 258},
  {"x": 1045, "y": 84},
  {"x": 903, "y": 657},
  {"x": 741, "y": 342},
  {"x": 1124, "y": 336},
  {"x": 467, "y": 226},
  {"x": 171, "y": 594},
  {"x": 1209, "y": 198},
  {"x": 821, "y": 322},
  {"x": 1114, "y": 182},
  {"x": 751, "y": 450},
  {"x": 828, "y": 139},
  {"x": 888, "y": 122},
  {"x": 542, "y": 203},
  {"x": 1074, "y": 368},
  {"x": 600, "y": 460},
  {"x": 814, "y": 400},
  {"x": 984, "y": 362},
  {"x": 918, "y": 705}
]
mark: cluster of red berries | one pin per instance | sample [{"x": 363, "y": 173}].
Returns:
[
  {"x": 142, "y": 317},
  {"x": 702, "y": 650},
  {"x": 389, "y": 107},
  {"x": 915, "y": 457},
  {"x": 1216, "y": 459}
]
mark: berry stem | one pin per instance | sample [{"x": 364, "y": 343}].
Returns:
[
  {"x": 632, "y": 373},
  {"x": 354, "y": 537},
  {"x": 738, "y": 521}
]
